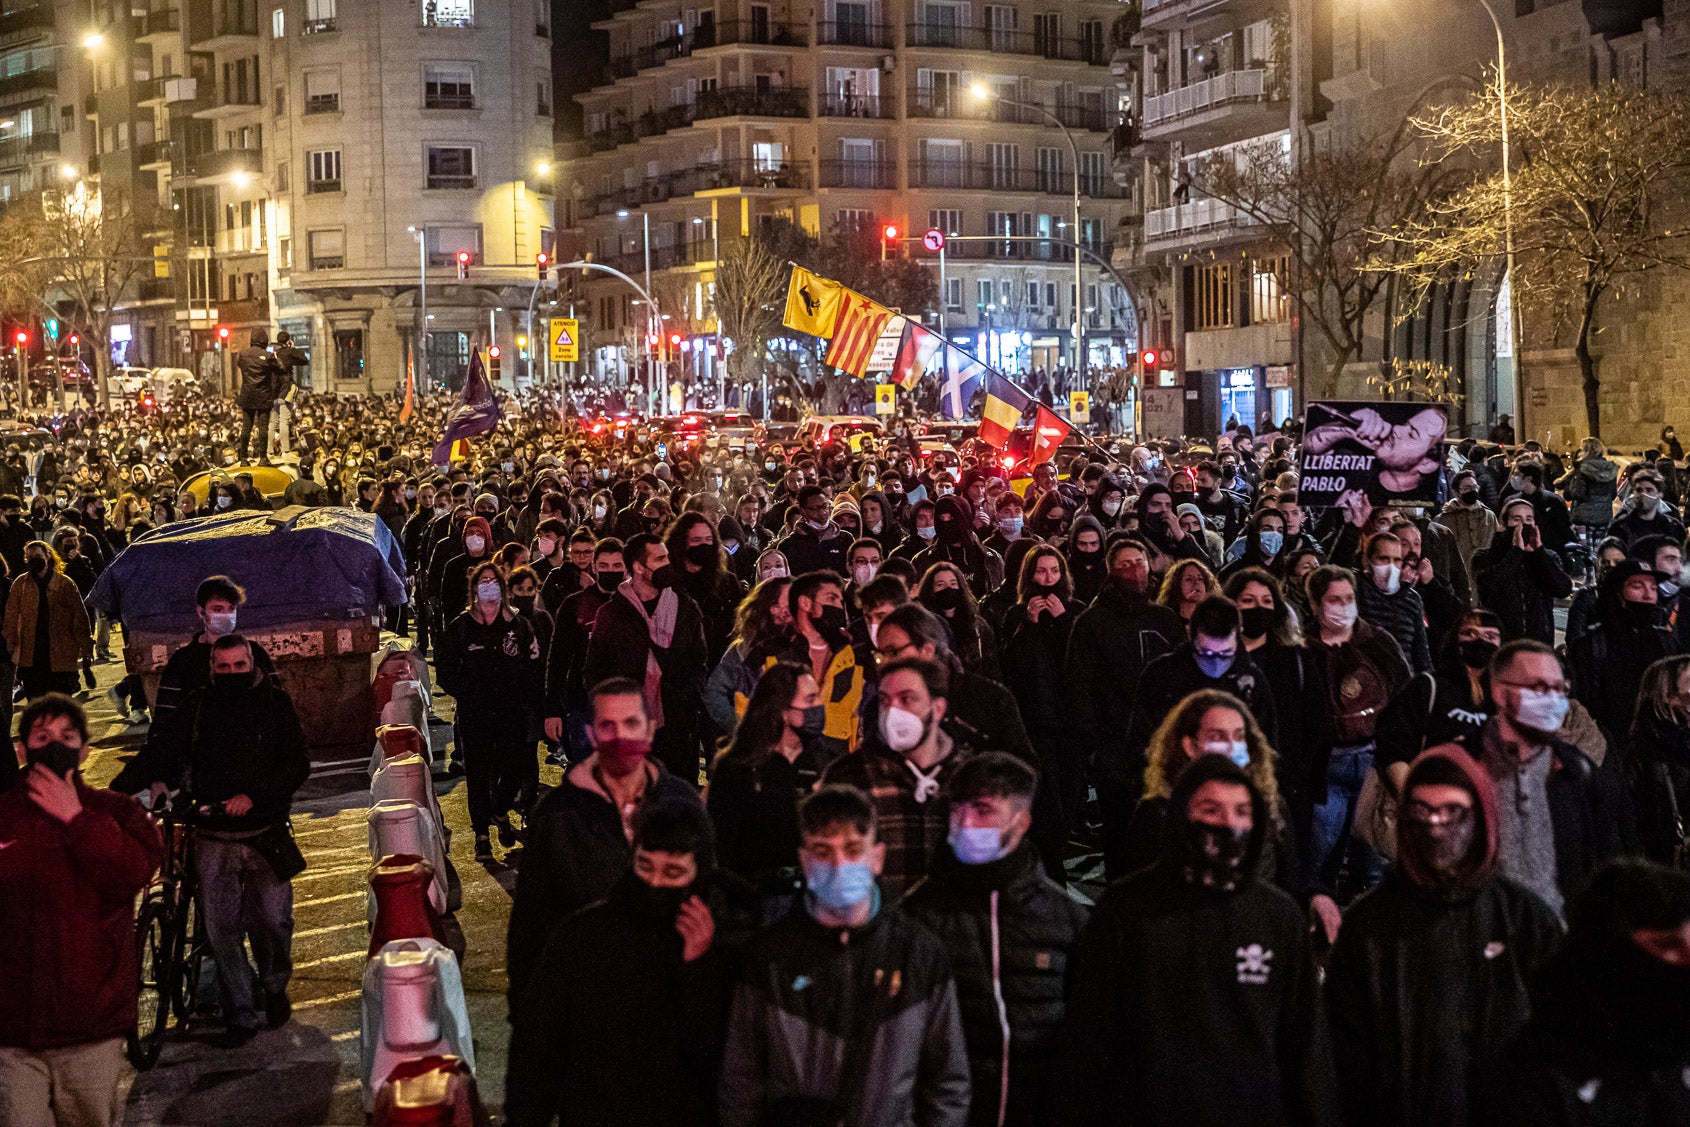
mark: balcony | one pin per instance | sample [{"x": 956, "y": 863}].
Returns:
[
  {"x": 318, "y": 27},
  {"x": 1005, "y": 41},
  {"x": 166, "y": 22},
  {"x": 41, "y": 78},
  {"x": 26, "y": 20},
  {"x": 151, "y": 91},
  {"x": 857, "y": 105},
  {"x": 1191, "y": 218},
  {"x": 1222, "y": 89},
  {"x": 228, "y": 32},
  {"x": 858, "y": 174},
  {"x": 733, "y": 33},
  {"x": 997, "y": 178},
  {"x": 448, "y": 101},
  {"x": 853, "y": 35},
  {"x": 155, "y": 155},
  {"x": 322, "y": 103},
  {"x": 227, "y": 162},
  {"x": 956, "y": 105},
  {"x": 322, "y": 187},
  {"x": 752, "y": 101},
  {"x": 448, "y": 182},
  {"x": 231, "y": 104},
  {"x": 16, "y": 151},
  {"x": 707, "y": 178}
]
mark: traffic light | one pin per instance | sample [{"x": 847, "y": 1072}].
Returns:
[
  {"x": 541, "y": 262},
  {"x": 73, "y": 340},
  {"x": 891, "y": 233},
  {"x": 493, "y": 362},
  {"x": 51, "y": 326},
  {"x": 463, "y": 265},
  {"x": 888, "y": 236},
  {"x": 522, "y": 342},
  {"x": 675, "y": 340},
  {"x": 21, "y": 338},
  {"x": 1150, "y": 356},
  {"x": 222, "y": 336}
]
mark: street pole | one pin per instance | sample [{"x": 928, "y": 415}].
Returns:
[
  {"x": 943, "y": 289},
  {"x": 422, "y": 277},
  {"x": 1514, "y": 344}
]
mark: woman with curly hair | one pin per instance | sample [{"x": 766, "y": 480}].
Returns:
[
  {"x": 1210, "y": 722},
  {"x": 944, "y": 591},
  {"x": 760, "y": 619},
  {"x": 1186, "y": 584}
]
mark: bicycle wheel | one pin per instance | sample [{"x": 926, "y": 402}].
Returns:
[
  {"x": 156, "y": 981},
  {"x": 192, "y": 953}
]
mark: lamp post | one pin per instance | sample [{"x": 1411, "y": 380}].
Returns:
[
  {"x": 983, "y": 94},
  {"x": 421, "y": 235},
  {"x": 1516, "y": 379},
  {"x": 645, "y": 245}
]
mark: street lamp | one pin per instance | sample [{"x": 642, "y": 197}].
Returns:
[
  {"x": 421, "y": 235},
  {"x": 1508, "y": 221},
  {"x": 983, "y": 94},
  {"x": 645, "y": 245}
]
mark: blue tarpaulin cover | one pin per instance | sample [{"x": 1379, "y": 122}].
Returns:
[{"x": 297, "y": 565}]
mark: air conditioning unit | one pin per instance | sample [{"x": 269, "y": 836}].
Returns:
[{"x": 888, "y": 63}]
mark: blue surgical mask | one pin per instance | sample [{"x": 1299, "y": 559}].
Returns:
[
  {"x": 1271, "y": 541},
  {"x": 1214, "y": 666},
  {"x": 977, "y": 845},
  {"x": 1542, "y": 712},
  {"x": 1236, "y": 750},
  {"x": 841, "y": 886}
]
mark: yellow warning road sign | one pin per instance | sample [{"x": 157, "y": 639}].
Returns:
[
  {"x": 565, "y": 335},
  {"x": 1079, "y": 408},
  {"x": 885, "y": 399}
]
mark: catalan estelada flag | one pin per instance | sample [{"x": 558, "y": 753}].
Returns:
[
  {"x": 920, "y": 352},
  {"x": 1049, "y": 429},
  {"x": 860, "y": 324},
  {"x": 1004, "y": 405},
  {"x": 812, "y": 303}
]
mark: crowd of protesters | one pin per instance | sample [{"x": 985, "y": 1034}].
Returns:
[{"x": 894, "y": 791}]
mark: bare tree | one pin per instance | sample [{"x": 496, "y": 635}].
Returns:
[
  {"x": 1598, "y": 186},
  {"x": 1325, "y": 209},
  {"x": 750, "y": 292}
]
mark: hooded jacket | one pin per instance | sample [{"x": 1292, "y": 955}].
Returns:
[
  {"x": 1169, "y": 680},
  {"x": 1009, "y": 931},
  {"x": 1591, "y": 486},
  {"x": 956, "y": 543},
  {"x": 1167, "y": 964},
  {"x": 862, "y": 1017},
  {"x": 1473, "y": 526},
  {"x": 1112, "y": 643},
  {"x": 1608, "y": 660},
  {"x": 1425, "y": 991},
  {"x": 1521, "y": 587},
  {"x": 1088, "y": 573},
  {"x": 244, "y": 739}
]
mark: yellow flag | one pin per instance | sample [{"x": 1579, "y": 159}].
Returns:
[{"x": 812, "y": 303}]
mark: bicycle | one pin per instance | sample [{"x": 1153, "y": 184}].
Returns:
[{"x": 171, "y": 946}]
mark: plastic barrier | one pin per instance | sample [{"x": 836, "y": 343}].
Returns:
[
  {"x": 397, "y": 664},
  {"x": 413, "y": 1008},
  {"x": 407, "y": 779},
  {"x": 395, "y": 741},
  {"x": 399, "y": 885},
  {"x": 409, "y": 705},
  {"x": 406, "y": 828},
  {"x": 430, "y": 1092}
]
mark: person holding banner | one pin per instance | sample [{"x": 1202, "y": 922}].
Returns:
[{"x": 1356, "y": 446}]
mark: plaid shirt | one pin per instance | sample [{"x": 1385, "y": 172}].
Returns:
[{"x": 911, "y": 831}]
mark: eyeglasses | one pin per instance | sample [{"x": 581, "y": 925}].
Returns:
[
  {"x": 1449, "y": 814},
  {"x": 1216, "y": 653},
  {"x": 883, "y": 654},
  {"x": 1560, "y": 687}
]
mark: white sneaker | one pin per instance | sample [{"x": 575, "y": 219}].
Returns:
[{"x": 115, "y": 698}]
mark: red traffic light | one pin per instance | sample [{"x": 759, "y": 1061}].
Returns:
[
  {"x": 222, "y": 332},
  {"x": 495, "y": 352},
  {"x": 891, "y": 232},
  {"x": 674, "y": 338},
  {"x": 22, "y": 338},
  {"x": 542, "y": 258},
  {"x": 73, "y": 340},
  {"x": 463, "y": 258},
  {"x": 1150, "y": 357}
]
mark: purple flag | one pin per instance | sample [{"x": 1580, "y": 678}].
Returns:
[{"x": 476, "y": 413}]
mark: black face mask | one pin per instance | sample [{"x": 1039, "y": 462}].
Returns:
[
  {"x": 1476, "y": 652},
  {"x": 37, "y": 566},
  {"x": 1639, "y": 614},
  {"x": 609, "y": 580},
  {"x": 1442, "y": 848},
  {"x": 831, "y": 621},
  {"x": 230, "y": 682},
  {"x": 946, "y": 599},
  {"x": 663, "y": 577},
  {"x": 656, "y": 907},
  {"x": 701, "y": 555},
  {"x": 523, "y": 603},
  {"x": 1256, "y": 621},
  {"x": 58, "y": 757},
  {"x": 1214, "y": 855}
]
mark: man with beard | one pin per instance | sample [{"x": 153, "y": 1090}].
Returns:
[
  {"x": 1196, "y": 951},
  {"x": 1113, "y": 641},
  {"x": 639, "y": 967},
  {"x": 1427, "y": 982},
  {"x": 1608, "y": 1042}
]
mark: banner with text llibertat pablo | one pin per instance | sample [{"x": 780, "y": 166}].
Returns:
[{"x": 1384, "y": 451}]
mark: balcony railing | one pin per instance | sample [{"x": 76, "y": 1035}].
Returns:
[
  {"x": 41, "y": 78},
  {"x": 858, "y": 174},
  {"x": 739, "y": 174},
  {"x": 155, "y": 152},
  {"x": 329, "y": 262},
  {"x": 856, "y": 105},
  {"x": 997, "y": 178},
  {"x": 225, "y": 162},
  {"x": 1199, "y": 215},
  {"x": 662, "y": 258},
  {"x": 936, "y": 103},
  {"x": 151, "y": 89},
  {"x": 1007, "y": 41},
  {"x": 165, "y": 21},
  {"x": 752, "y": 101},
  {"x": 728, "y": 34},
  {"x": 853, "y": 35},
  {"x": 17, "y": 150},
  {"x": 1232, "y": 86},
  {"x": 317, "y": 27},
  {"x": 448, "y": 101},
  {"x": 38, "y": 18},
  {"x": 322, "y": 103},
  {"x": 448, "y": 181},
  {"x": 322, "y": 187}
]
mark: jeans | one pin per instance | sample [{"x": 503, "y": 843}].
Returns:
[
  {"x": 491, "y": 746},
  {"x": 75, "y": 1086},
  {"x": 277, "y": 433},
  {"x": 245, "y": 901},
  {"x": 252, "y": 421},
  {"x": 1329, "y": 832}
]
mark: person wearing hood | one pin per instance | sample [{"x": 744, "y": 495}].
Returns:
[
  {"x": 1191, "y": 519},
  {"x": 1408, "y": 1054},
  {"x": 478, "y": 547},
  {"x": 238, "y": 748},
  {"x": 1084, "y": 549},
  {"x": 846, "y": 1012},
  {"x": 581, "y": 833},
  {"x": 1010, "y": 932},
  {"x": 880, "y": 520},
  {"x": 652, "y": 633},
  {"x": 1263, "y": 543},
  {"x": 955, "y": 543},
  {"x": 1647, "y": 512},
  {"x": 641, "y": 967},
  {"x": 1520, "y": 577},
  {"x": 1607, "y": 1044},
  {"x": 1591, "y": 486},
  {"x": 489, "y": 661},
  {"x": 815, "y": 542},
  {"x": 1107, "y": 503},
  {"x": 1196, "y": 950},
  {"x": 1392, "y": 605},
  {"x": 703, "y": 575},
  {"x": 1627, "y": 635},
  {"x": 943, "y": 590},
  {"x": 737, "y": 543},
  {"x": 1113, "y": 641},
  {"x": 847, "y": 517},
  {"x": 1159, "y": 527},
  {"x": 1665, "y": 556},
  {"x": 1448, "y": 703}
]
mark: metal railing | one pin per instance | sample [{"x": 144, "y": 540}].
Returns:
[
  {"x": 321, "y": 187},
  {"x": 322, "y": 103},
  {"x": 943, "y": 104},
  {"x": 998, "y": 178},
  {"x": 751, "y": 101},
  {"x": 856, "y": 105},
  {"x": 164, "y": 21},
  {"x": 740, "y": 174},
  {"x": 222, "y": 162},
  {"x": 1199, "y": 215},
  {"x": 453, "y": 182},
  {"x": 448, "y": 101},
  {"x": 728, "y": 34},
  {"x": 15, "y": 150},
  {"x": 858, "y": 174},
  {"x": 1009, "y": 41},
  {"x": 853, "y": 34},
  {"x": 1231, "y": 86},
  {"x": 317, "y": 27},
  {"x": 41, "y": 78}
]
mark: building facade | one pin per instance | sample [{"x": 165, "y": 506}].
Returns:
[
  {"x": 971, "y": 118},
  {"x": 325, "y": 162}
]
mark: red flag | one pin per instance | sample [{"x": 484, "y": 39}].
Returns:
[
  {"x": 410, "y": 406},
  {"x": 1049, "y": 429},
  {"x": 860, "y": 325}
]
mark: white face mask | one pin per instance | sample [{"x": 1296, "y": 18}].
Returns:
[
  {"x": 220, "y": 622},
  {"x": 1340, "y": 617},
  {"x": 547, "y": 545},
  {"x": 863, "y": 574},
  {"x": 475, "y": 543},
  {"x": 902, "y": 729},
  {"x": 598, "y": 512},
  {"x": 487, "y": 592},
  {"x": 775, "y": 573},
  {"x": 1110, "y": 508},
  {"x": 1543, "y": 712},
  {"x": 1387, "y": 577},
  {"x": 1236, "y": 750},
  {"x": 926, "y": 533}
]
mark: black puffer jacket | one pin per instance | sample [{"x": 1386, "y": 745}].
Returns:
[
  {"x": 1009, "y": 930},
  {"x": 262, "y": 378}
]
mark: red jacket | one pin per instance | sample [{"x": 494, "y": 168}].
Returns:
[{"x": 67, "y": 912}]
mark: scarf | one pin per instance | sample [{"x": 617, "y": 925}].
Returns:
[{"x": 660, "y": 627}]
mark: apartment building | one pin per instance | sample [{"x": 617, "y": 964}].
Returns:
[
  {"x": 326, "y": 160},
  {"x": 44, "y": 79},
  {"x": 972, "y": 118}
]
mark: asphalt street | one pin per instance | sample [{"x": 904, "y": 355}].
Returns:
[{"x": 308, "y": 1072}]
